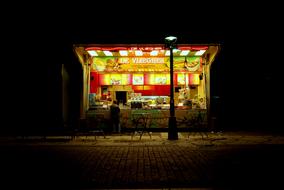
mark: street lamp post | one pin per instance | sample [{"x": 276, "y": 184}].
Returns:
[{"x": 172, "y": 133}]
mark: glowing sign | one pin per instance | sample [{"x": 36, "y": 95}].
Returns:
[
  {"x": 138, "y": 60},
  {"x": 114, "y": 79},
  {"x": 156, "y": 79},
  {"x": 123, "y": 60},
  {"x": 182, "y": 78},
  {"x": 138, "y": 79},
  {"x": 148, "y": 60},
  {"x": 146, "y": 48}
]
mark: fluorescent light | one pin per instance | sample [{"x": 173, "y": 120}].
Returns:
[
  {"x": 167, "y": 53},
  {"x": 107, "y": 53},
  {"x": 154, "y": 53},
  {"x": 138, "y": 53},
  {"x": 92, "y": 53},
  {"x": 200, "y": 52},
  {"x": 123, "y": 53},
  {"x": 185, "y": 52}
]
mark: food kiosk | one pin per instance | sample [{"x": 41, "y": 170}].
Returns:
[{"x": 138, "y": 77}]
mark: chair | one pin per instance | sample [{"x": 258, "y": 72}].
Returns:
[
  {"x": 140, "y": 122},
  {"x": 198, "y": 123},
  {"x": 124, "y": 121},
  {"x": 156, "y": 116},
  {"x": 95, "y": 124}
]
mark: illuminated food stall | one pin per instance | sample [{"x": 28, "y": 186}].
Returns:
[{"x": 138, "y": 76}]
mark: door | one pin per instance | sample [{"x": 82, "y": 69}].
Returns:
[{"x": 121, "y": 97}]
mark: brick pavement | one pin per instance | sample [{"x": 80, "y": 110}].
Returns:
[{"x": 117, "y": 162}]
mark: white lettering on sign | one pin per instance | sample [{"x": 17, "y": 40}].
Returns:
[
  {"x": 137, "y": 60},
  {"x": 123, "y": 60},
  {"x": 148, "y": 60}
]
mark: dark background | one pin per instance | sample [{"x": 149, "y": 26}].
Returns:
[{"x": 246, "y": 75}]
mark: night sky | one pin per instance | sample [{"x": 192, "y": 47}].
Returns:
[{"x": 246, "y": 74}]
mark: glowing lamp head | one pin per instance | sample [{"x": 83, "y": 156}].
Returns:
[{"x": 170, "y": 41}]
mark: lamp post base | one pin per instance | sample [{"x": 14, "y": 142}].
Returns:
[{"x": 172, "y": 134}]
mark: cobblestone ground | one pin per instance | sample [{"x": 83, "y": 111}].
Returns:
[{"x": 83, "y": 164}]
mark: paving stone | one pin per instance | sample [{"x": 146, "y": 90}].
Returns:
[{"x": 147, "y": 164}]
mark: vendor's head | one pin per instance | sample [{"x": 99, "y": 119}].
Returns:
[{"x": 115, "y": 101}]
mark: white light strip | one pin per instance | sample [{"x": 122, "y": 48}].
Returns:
[
  {"x": 186, "y": 52},
  {"x": 92, "y": 53},
  {"x": 107, "y": 53},
  {"x": 123, "y": 53},
  {"x": 138, "y": 53},
  {"x": 200, "y": 52},
  {"x": 154, "y": 53}
]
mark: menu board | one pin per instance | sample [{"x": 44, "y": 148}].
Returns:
[
  {"x": 114, "y": 79},
  {"x": 157, "y": 79},
  {"x": 161, "y": 79},
  {"x": 138, "y": 79},
  {"x": 182, "y": 78}
]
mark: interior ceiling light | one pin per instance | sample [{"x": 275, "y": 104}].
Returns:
[
  {"x": 200, "y": 52},
  {"x": 92, "y": 53},
  {"x": 154, "y": 53},
  {"x": 123, "y": 53},
  {"x": 138, "y": 53},
  {"x": 107, "y": 53},
  {"x": 184, "y": 53}
]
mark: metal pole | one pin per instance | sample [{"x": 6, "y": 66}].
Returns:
[
  {"x": 172, "y": 134},
  {"x": 172, "y": 105}
]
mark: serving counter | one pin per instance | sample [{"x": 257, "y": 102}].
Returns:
[{"x": 158, "y": 118}]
